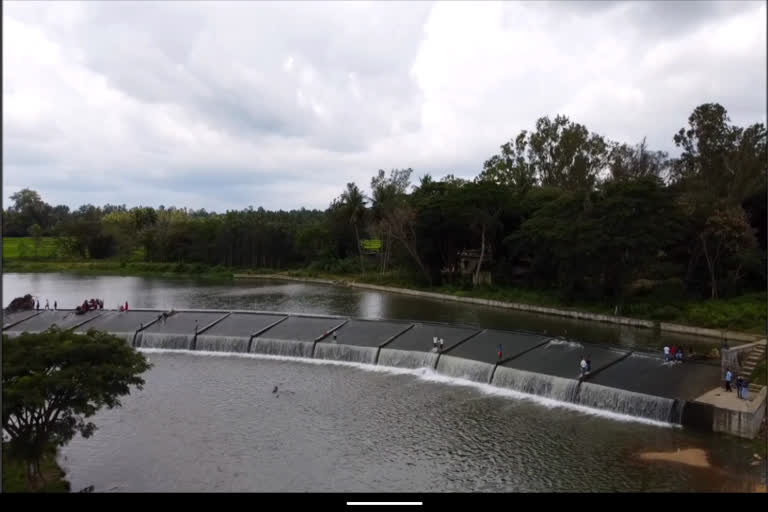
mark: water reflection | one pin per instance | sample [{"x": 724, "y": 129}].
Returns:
[{"x": 141, "y": 292}]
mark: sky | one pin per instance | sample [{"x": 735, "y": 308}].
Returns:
[{"x": 231, "y": 105}]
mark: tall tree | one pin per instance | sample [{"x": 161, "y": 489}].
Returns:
[
  {"x": 353, "y": 204},
  {"x": 54, "y": 381}
]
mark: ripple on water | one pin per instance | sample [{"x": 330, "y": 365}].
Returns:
[{"x": 213, "y": 423}]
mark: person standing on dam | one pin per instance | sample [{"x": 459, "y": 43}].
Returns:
[
  {"x": 728, "y": 377},
  {"x": 666, "y": 353},
  {"x": 498, "y": 350},
  {"x": 583, "y": 366}
]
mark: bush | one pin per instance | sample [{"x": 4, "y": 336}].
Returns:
[{"x": 665, "y": 313}]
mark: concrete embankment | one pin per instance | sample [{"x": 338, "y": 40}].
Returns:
[{"x": 580, "y": 315}]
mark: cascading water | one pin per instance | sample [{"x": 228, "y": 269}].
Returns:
[
  {"x": 352, "y": 353},
  {"x": 274, "y": 347},
  {"x": 641, "y": 405},
  {"x": 464, "y": 368},
  {"x": 406, "y": 358},
  {"x": 548, "y": 386},
  {"x": 166, "y": 341},
  {"x": 222, "y": 343}
]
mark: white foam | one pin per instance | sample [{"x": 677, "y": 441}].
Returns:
[
  {"x": 559, "y": 342},
  {"x": 428, "y": 375}
]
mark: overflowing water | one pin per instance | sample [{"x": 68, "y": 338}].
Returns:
[
  {"x": 464, "y": 368},
  {"x": 549, "y": 386},
  {"x": 407, "y": 358},
  {"x": 621, "y": 401},
  {"x": 274, "y": 347},
  {"x": 340, "y": 352},
  {"x": 222, "y": 343},
  {"x": 164, "y": 340}
]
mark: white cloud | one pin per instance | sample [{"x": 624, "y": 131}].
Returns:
[{"x": 280, "y": 104}]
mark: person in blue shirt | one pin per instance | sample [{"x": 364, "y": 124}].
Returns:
[{"x": 728, "y": 377}]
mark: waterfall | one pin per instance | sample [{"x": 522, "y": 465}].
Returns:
[
  {"x": 464, "y": 368},
  {"x": 222, "y": 343},
  {"x": 548, "y": 386},
  {"x": 273, "y": 347},
  {"x": 407, "y": 358},
  {"x": 163, "y": 340},
  {"x": 351, "y": 353},
  {"x": 622, "y": 401}
]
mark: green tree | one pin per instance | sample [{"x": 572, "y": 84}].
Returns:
[
  {"x": 352, "y": 202},
  {"x": 36, "y": 232},
  {"x": 54, "y": 381}
]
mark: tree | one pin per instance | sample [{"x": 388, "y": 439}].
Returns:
[
  {"x": 54, "y": 381},
  {"x": 36, "y": 234},
  {"x": 388, "y": 193},
  {"x": 727, "y": 233},
  {"x": 510, "y": 168},
  {"x": 352, "y": 203},
  {"x": 627, "y": 163}
]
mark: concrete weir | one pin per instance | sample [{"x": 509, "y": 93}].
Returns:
[{"x": 621, "y": 381}]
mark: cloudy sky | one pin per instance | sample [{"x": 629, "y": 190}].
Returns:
[{"x": 229, "y": 105}]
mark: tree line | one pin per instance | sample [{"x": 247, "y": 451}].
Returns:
[{"x": 558, "y": 207}]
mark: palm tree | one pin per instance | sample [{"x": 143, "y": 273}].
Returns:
[{"x": 353, "y": 202}]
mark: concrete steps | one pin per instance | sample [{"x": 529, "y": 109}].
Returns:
[{"x": 756, "y": 355}]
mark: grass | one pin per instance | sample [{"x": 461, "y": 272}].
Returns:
[
  {"x": 15, "y": 476},
  {"x": 24, "y": 248}
]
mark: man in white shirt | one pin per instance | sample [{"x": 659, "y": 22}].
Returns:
[
  {"x": 666, "y": 353},
  {"x": 583, "y": 365}
]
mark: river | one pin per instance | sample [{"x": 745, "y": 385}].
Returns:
[{"x": 211, "y": 422}]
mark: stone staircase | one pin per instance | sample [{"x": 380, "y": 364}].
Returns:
[{"x": 756, "y": 355}]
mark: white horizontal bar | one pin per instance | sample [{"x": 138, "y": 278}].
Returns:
[{"x": 384, "y": 503}]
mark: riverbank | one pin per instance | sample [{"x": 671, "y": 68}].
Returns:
[
  {"x": 715, "y": 318},
  {"x": 15, "y": 476}
]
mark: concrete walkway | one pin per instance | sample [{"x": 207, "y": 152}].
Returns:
[{"x": 723, "y": 399}]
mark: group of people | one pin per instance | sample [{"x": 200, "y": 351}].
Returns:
[
  {"x": 585, "y": 366},
  {"x": 673, "y": 353},
  {"x": 437, "y": 344},
  {"x": 742, "y": 385},
  {"x": 125, "y": 307},
  {"x": 89, "y": 305},
  {"x": 47, "y": 305}
]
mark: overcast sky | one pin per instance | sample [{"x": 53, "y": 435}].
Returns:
[{"x": 229, "y": 105}]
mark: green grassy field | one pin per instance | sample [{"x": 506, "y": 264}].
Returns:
[{"x": 25, "y": 248}]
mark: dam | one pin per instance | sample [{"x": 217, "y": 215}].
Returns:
[{"x": 623, "y": 381}]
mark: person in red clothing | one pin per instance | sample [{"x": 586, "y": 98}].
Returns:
[
  {"x": 672, "y": 351},
  {"x": 126, "y": 305}
]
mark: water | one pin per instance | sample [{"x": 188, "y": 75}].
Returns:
[
  {"x": 338, "y": 352},
  {"x": 161, "y": 340},
  {"x": 265, "y": 295},
  {"x": 539, "y": 384},
  {"x": 222, "y": 343},
  {"x": 289, "y": 348},
  {"x": 464, "y": 368},
  {"x": 208, "y": 421},
  {"x": 211, "y": 423},
  {"x": 407, "y": 358},
  {"x": 626, "y": 402}
]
